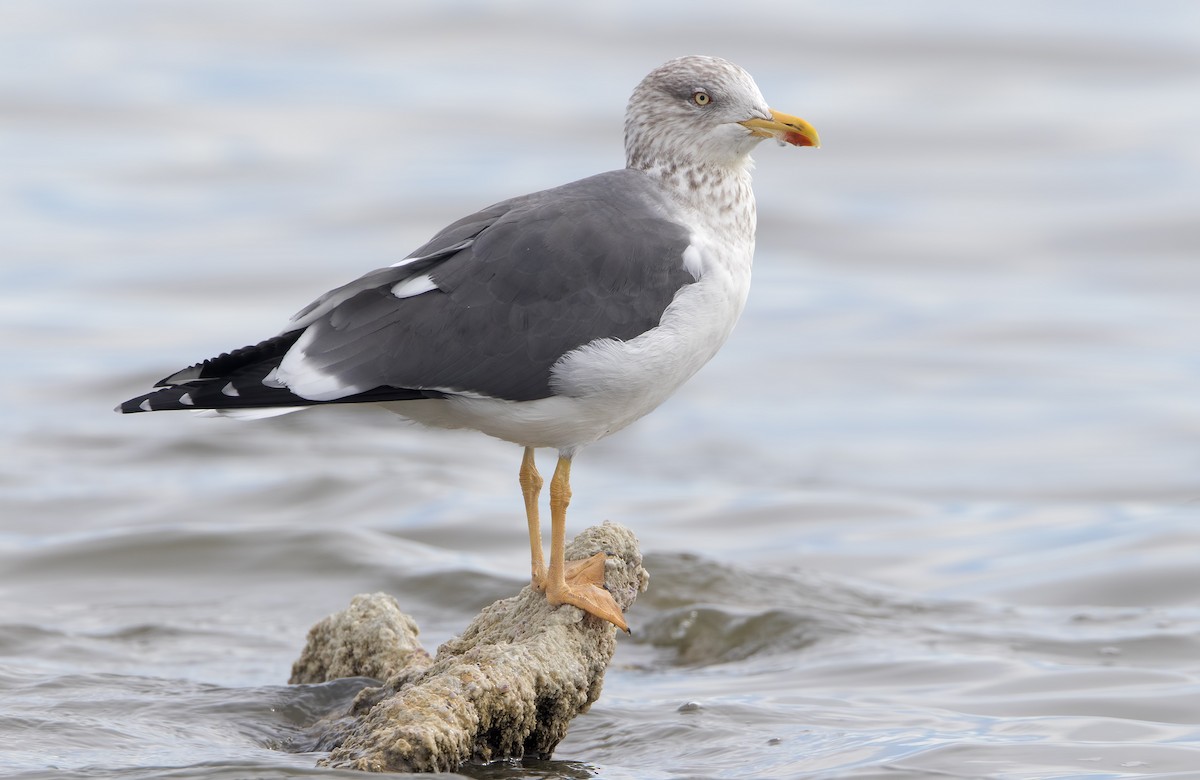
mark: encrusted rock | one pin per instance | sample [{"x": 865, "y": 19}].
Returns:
[
  {"x": 508, "y": 687},
  {"x": 372, "y": 638}
]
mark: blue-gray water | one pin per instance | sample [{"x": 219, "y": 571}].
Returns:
[{"x": 933, "y": 512}]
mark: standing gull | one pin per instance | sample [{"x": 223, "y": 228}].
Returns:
[{"x": 548, "y": 320}]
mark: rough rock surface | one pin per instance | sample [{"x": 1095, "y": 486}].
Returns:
[
  {"x": 508, "y": 687},
  {"x": 372, "y": 638}
]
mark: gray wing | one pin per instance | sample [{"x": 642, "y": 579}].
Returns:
[
  {"x": 450, "y": 240},
  {"x": 508, "y": 291}
]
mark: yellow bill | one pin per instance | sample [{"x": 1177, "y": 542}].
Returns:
[{"x": 786, "y": 128}]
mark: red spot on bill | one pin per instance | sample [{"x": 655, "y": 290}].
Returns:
[{"x": 796, "y": 139}]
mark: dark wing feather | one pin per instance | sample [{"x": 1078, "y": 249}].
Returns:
[
  {"x": 518, "y": 285},
  {"x": 227, "y": 363},
  {"x": 591, "y": 260}
]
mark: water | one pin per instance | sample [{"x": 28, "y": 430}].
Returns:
[{"x": 931, "y": 513}]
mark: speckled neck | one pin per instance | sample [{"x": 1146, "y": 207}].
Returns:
[{"x": 720, "y": 196}]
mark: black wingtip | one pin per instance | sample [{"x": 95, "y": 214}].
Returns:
[
  {"x": 134, "y": 405},
  {"x": 227, "y": 363}
]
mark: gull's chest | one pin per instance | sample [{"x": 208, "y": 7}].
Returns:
[{"x": 643, "y": 371}]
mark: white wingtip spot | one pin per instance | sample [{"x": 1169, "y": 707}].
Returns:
[
  {"x": 230, "y": 390},
  {"x": 414, "y": 285},
  {"x": 186, "y": 400},
  {"x": 145, "y": 406}
]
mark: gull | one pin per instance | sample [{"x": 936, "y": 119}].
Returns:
[{"x": 549, "y": 320}]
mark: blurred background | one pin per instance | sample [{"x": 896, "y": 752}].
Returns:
[{"x": 932, "y": 510}]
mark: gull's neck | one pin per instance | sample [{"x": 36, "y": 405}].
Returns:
[{"x": 718, "y": 197}]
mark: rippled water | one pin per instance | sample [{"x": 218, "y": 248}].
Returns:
[{"x": 933, "y": 512}]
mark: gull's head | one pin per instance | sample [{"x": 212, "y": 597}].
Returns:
[{"x": 703, "y": 111}]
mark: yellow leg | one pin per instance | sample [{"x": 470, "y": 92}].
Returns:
[
  {"x": 581, "y": 583},
  {"x": 531, "y": 488}
]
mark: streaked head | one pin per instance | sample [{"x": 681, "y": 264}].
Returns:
[{"x": 703, "y": 110}]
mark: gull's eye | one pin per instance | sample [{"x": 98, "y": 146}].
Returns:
[{"x": 701, "y": 98}]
